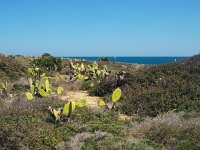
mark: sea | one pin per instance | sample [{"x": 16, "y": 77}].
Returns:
[{"x": 136, "y": 60}]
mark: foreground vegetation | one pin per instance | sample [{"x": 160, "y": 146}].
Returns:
[{"x": 156, "y": 107}]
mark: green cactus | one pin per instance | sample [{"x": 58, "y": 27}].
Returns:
[
  {"x": 95, "y": 65},
  {"x": 59, "y": 90},
  {"x": 39, "y": 85},
  {"x": 47, "y": 86},
  {"x": 91, "y": 72},
  {"x": 70, "y": 107},
  {"x": 35, "y": 72},
  {"x": 116, "y": 95},
  {"x": 42, "y": 93},
  {"x": 102, "y": 103},
  {"x": 80, "y": 77},
  {"x": 30, "y": 70},
  {"x": 4, "y": 87},
  {"x": 82, "y": 67},
  {"x": 29, "y": 96}
]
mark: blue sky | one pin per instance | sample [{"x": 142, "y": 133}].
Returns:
[{"x": 100, "y": 27}]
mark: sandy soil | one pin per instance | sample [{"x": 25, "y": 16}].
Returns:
[{"x": 92, "y": 101}]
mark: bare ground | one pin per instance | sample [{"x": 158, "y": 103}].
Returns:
[{"x": 92, "y": 101}]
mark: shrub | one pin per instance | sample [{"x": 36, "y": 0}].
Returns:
[
  {"x": 86, "y": 85},
  {"x": 48, "y": 63}
]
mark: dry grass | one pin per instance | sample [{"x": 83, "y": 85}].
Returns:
[
  {"x": 79, "y": 139},
  {"x": 171, "y": 119}
]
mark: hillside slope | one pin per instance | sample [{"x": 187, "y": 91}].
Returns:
[{"x": 158, "y": 89}]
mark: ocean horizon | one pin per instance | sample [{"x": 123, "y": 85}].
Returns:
[{"x": 137, "y": 60}]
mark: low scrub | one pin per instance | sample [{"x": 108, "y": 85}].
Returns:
[
  {"x": 11, "y": 68},
  {"x": 158, "y": 89}
]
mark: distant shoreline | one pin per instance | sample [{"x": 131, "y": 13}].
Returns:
[
  {"x": 145, "y": 60},
  {"x": 135, "y": 60}
]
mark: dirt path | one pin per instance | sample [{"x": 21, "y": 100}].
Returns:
[{"x": 92, "y": 101}]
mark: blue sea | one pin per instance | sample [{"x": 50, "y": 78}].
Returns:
[{"x": 137, "y": 60}]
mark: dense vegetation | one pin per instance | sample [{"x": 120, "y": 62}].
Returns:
[
  {"x": 158, "y": 89},
  {"x": 159, "y": 107},
  {"x": 12, "y": 68}
]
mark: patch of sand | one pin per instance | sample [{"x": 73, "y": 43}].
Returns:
[{"x": 92, "y": 101}]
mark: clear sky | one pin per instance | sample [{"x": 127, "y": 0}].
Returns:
[{"x": 100, "y": 27}]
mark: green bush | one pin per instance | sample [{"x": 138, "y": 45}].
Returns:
[
  {"x": 19, "y": 88},
  {"x": 87, "y": 84},
  {"x": 48, "y": 63}
]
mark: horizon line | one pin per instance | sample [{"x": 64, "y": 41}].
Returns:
[{"x": 105, "y": 56}]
